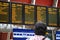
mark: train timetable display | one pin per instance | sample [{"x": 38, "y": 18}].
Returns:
[
  {"x": 29, "y": 14},
  {"x": 16, "y": 13},
  {"x": 52, "y": 16},
  {"x": 4, "y": 12},
  {"x": 41, "y": 14},
  {"x": 59, "y": 17}
]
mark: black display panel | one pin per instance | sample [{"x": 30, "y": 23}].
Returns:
[
  {"x": 41, "y": 14},
  {"x": 29, "y": 14},
  {"x": 4, "y": 12},
  {"x": 16, "y": 13},
  {"x": 59, "y": 17},
  {"x": 52, "y": 14}
]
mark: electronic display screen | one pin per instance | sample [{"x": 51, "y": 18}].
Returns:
[
  {"x": 4, "y": 12},
  {"x": 29, "y": 14},
  {"x": 52, "y": 16},
  {"x": 16, "y": 13},
  {"x": 59, "y": 17},
  {"x": 41, "y": 14}
]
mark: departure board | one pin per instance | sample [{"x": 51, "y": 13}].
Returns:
[
  {"x": 41, "y": 14},
  {"x": 16, "y": 13},
  {"x": 4, "y": 12},
  {"x": 29, "y": 14},
  {"x": 52, "y": 16},
  {"x": 59, "y": 17}
]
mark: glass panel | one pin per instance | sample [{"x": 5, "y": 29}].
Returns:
[
  {"x": 41, "y": 14},
  {"x": 16, "y": 13},
  {"x": 4, "y": 12},
  {"x": 52, "y": 16},
  {"x": 29, "y": 14}
]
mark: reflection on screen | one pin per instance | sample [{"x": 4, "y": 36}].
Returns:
[
  {"x": 41, "y": 14},
  {"x": 16, "y": 13},
  {"x": 52, "y": 16},
  {"x": 29, "y": 14},
  {"x": 4, "y": 12}
]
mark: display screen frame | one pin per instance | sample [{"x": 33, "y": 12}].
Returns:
[
  {"x": 59, "y": 16},
  {"x": 45, "y": 10},
  {"x": 34, "y": 19},
  {"x": 16, "y": 12},
  {"x": 7, "y": 22},
  {"x": 56, "y": 24}
]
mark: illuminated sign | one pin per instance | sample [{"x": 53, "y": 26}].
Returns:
[
  {"x": 52, "y": 16},
  {"x": 57, "y": 35},
  {"x": 41, "y": 14},
  {"x": 26, "y": 14},
  {"x": 4, "y": 12},
  {"x": 22, "y": 34},
  {"x": 29, "y": 14},
  {"x": 16, "y": 13}
]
